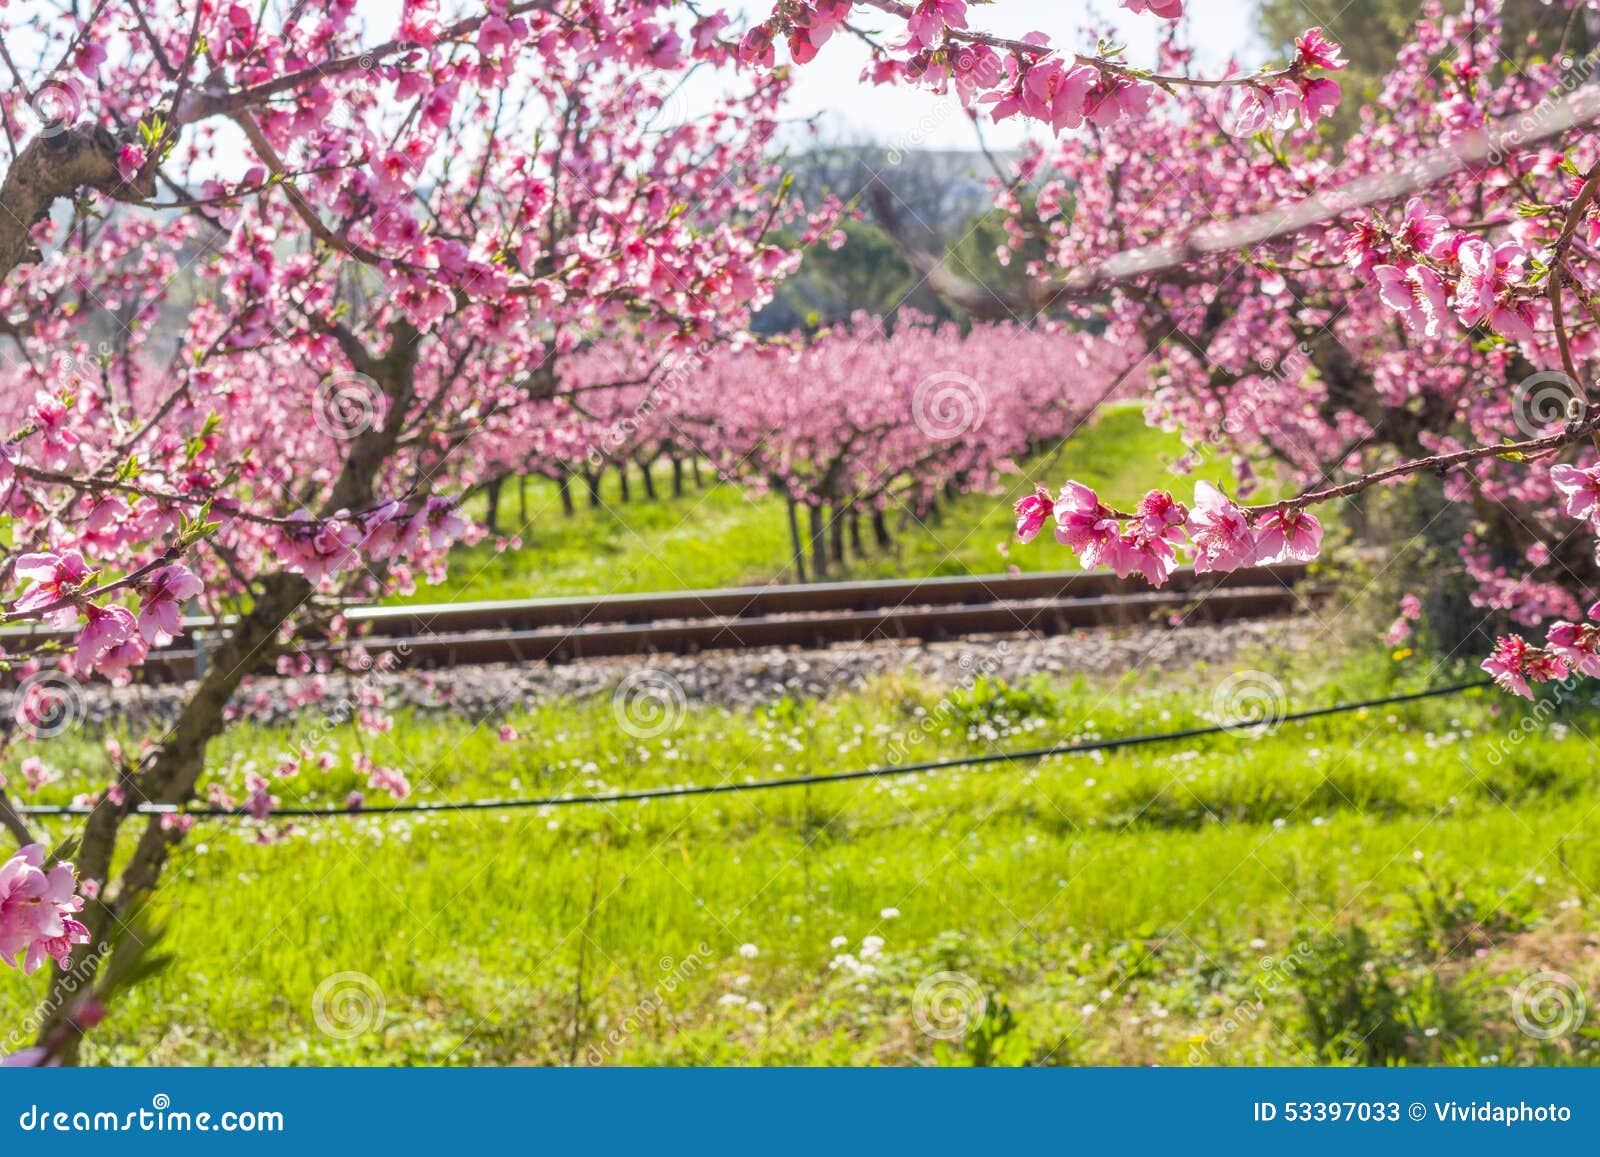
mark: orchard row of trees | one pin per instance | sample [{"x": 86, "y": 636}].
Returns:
[{"x": 856, "y": 427}]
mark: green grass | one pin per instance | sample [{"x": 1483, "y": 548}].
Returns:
[
  {"x": 1377, "y": 883},
  {"x": 721, "y": 536}
]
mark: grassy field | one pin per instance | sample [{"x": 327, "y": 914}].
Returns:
[
  {"x": 721, "y": 536},
  {"x": 1367, "y": 888}
]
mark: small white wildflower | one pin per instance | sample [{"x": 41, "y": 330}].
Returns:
[
  {"x": 890, "y": 914},
  {"x": 749, "y": 951}
]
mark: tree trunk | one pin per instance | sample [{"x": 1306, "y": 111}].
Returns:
[
  {"x": 677, "y": 477},
  {"x": 622, "y": 475},
  {"x": 649, "y": 482},
  {"x": 564, "y": 487},
  {"x": 522, "y": 500},
  {"x": 167, "y": 774},
  {"x": 795, "y": 546},
  {"x": 819, "y": 544},
  {"x": 856, "y": 544},
  {"x": 491, "y": 517},
  {"x": 593, "y": 481},
  {"x": 170, "y": 771},
  {"x": 694, "y": 464},
  {"x": 836, "y": 535},
  {"x": 880, "y": 530}
]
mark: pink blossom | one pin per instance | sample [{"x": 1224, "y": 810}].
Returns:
[
  {"x": 1319, "y": 96},
  {"x": 160, "y": 605},
  {"x": 37, "y": 905},
  {"x": 1513, "y": 663},
  {"x": 1113, "y": 98},
  {"x": 118, "y": 662},
  {"x": 1084, "y": 526},
  {"x": 1166, "y": 9},
  {"x": 756, "y": 47},
  {"x": 1578, "y": 644},
  {"x": 508, "y": 733},
  {"x": 90, "y": 55},
  {"x": 129, "y": 161},
  {"x": 1580, "y": 489},
  {"x": 54, "y": 578},
  {"x": 1032, "y": 511},
  {"x": 1313, "y": 49},
  {"x": 927, "y": 21},
  {"x": 1139, "y": 552},
  {"x": 1420, "y": 229},
  {"x": 1055, "y": 92},
  {"x": 1161, "y": 516},
  {"x": 1513, "y": 319},
  {"x": 1287, "y": 534},
  {"x": 35, "y": 772},
  {"x": 1220, "y": 531},
  {"x": 1363, "y": 247},
  {"x": 54, "y": 421},
  {"x": 389, "y": 779},
  {"x": 436, "y": 525},
  {"x": 1417, "y": 293},
  {"x": 103, "y": 629},
  {"x": 261, "y": 801},
  {"x": 319, "y": 550},
  {"x": 1484, "y": 270}
]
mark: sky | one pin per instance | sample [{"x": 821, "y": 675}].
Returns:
[{"x": 853, "y": 113}]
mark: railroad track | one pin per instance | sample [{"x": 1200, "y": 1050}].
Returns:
[{"x": 813, "y": 615}]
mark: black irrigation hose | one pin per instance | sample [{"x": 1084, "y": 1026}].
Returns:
[{"x": 765, "y": 784}]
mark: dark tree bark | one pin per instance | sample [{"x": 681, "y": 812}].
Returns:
[
  {"x": 491, "y": 517},
  {"x": 880, "y": 530},
  {"x": 819, "y": 543},
  {"x": 796, "y": 548},
  {"x": 169, "y": 772}
]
